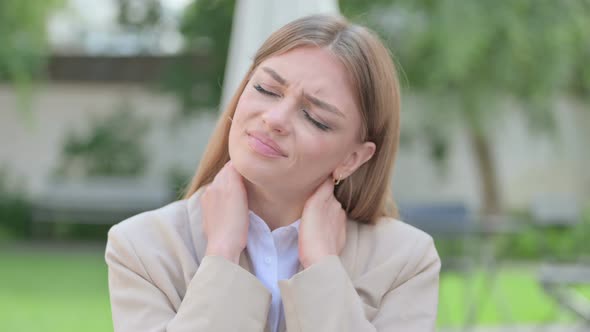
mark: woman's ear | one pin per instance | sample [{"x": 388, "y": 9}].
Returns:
[{"x": 360, "y": 155}]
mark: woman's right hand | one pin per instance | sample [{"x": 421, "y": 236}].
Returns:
[{"x": 224, "y": 207}]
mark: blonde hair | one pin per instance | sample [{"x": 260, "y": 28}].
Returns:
[{"x": 366, "y": 194}]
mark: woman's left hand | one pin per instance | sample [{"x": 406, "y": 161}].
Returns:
[{"x": 322, "y": 231}]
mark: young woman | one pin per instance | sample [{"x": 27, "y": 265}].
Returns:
[{"x": 288, "y": 224}]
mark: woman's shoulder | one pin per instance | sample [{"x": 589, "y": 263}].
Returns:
[
  {"x": 164, "y": 233},
  {"x": 390, "y": 234},
  {"x": 385, "y": 256},
  {"x": 391, "y": 244},
  {"x": 158, "y": 245}
]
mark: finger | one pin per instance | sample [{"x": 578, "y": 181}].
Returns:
[{"x": 326, "y": 190}]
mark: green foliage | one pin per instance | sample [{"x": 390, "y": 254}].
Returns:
[
  {"x": 24, "y": 43},
  {"x": 113, "y": 146},
  {"x": 531, "y": 243},
  {"x": 15, "y": 207},
  {"x": 476, "y": 51},
  {"x": 548, "y": 243}
]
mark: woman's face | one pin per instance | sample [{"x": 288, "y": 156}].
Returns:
[{"x": 297, "y": 122}]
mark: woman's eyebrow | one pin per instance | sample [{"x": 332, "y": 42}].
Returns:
[
  {"x": 275, "y": 75},
  {"x": 317, "y": 102},
  {"x": 323, "y": 105}
]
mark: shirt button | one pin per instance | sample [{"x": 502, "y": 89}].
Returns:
[{"x": 267, "y": 260}]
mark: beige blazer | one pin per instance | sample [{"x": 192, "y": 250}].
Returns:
[{"x": 386, "y": 279}]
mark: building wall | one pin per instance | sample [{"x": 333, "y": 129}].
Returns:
[{"x": 32, "y": 148}]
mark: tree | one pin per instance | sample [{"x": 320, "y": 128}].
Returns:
[
  {"x": 23, "y": 41},
  {"x": 470, "y": 56}
]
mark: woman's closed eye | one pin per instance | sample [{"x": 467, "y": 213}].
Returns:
[
  {"x": 316, "y": 123},
  {"x": 264, "y": 92}
]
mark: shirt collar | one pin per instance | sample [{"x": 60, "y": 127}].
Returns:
[{"x": 260, "y": 225}]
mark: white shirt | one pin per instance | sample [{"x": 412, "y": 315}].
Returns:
[{"x": 274, "y": 256}]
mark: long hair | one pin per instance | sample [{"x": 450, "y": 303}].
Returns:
[{"x": 366, "y": 194}]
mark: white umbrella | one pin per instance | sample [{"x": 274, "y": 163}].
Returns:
[{"x": 254, "y": 21}]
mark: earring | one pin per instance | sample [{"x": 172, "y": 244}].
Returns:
[{"x": 337, "y": 182}]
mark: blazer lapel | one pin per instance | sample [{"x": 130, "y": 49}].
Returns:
[{"x": 245, "y": 261}]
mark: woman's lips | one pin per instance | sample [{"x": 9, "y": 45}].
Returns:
[{"x": 258, "y": 145}]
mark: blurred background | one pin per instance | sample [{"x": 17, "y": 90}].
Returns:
[{"x": 106, "y": 107}]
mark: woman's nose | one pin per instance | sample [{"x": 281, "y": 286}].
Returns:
[{"x": 277, "y": 117}]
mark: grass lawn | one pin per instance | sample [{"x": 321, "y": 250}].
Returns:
[
  {"x": 53, "y": 291},
  {"x": 61, "y": 291},
  {"x": 514, "y": 299}
]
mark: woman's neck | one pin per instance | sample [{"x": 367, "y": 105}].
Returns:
[{"x": 274, "y": 207}]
